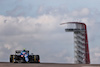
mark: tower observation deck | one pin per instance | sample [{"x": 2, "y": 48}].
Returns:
[{"x": 81, "y": 41}]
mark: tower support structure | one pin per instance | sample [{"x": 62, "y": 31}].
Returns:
[{"x": 81, "y": 42}]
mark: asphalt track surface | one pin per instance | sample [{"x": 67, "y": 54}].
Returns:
[{"x": 5, "y": 64}]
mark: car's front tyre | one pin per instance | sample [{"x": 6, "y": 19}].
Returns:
[{"x": 11, "y": 58}]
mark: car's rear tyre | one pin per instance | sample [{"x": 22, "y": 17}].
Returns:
[
  {"x": 11, "y": 58},
  {"x": 37, "y": 58}
]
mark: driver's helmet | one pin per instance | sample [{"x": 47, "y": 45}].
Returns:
[{"x": 23, "y": 49}]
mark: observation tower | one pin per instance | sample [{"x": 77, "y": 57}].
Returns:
[{"x": 80, "y": 40}]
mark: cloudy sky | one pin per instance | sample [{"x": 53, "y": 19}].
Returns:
[{"x": 35, "y": 25}]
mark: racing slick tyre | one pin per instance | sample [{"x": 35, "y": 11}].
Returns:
[
  {"x": 11, "y": 58},
  {"x": 16, "y": 58},
  {"x": 37, "y": 59}
]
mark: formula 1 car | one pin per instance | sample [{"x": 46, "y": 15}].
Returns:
[{"x": 18, "y": 59}]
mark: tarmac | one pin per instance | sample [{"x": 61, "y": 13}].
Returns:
[{"x": 6, "y": 64}]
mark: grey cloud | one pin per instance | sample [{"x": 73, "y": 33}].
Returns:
[{"x": 95, "y": 55}]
